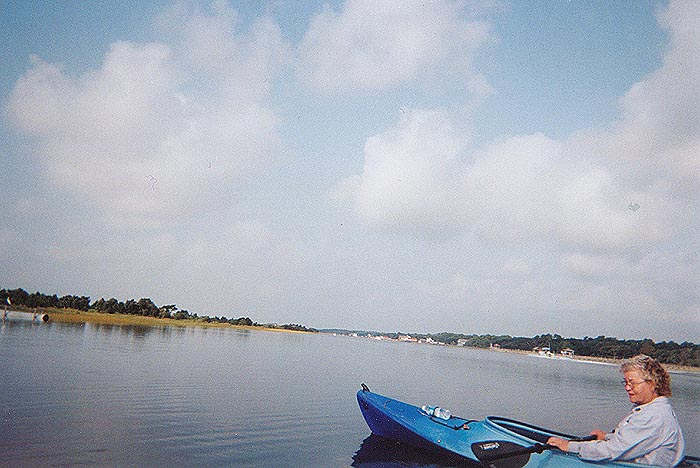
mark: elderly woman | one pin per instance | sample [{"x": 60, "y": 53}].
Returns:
[{"x": 650, "y": 434}]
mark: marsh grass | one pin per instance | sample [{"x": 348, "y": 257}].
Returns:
[{"x": 77, "y": 316}]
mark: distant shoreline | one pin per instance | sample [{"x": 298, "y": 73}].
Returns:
[
  {"x": 674, "y": 368},
  {"x": 602, "y": 350},
  {"x": 101, "y": 318},
  {"x": 599, "y": 360}
]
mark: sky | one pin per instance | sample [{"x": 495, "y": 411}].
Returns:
[{"x": 501, "y": 167}]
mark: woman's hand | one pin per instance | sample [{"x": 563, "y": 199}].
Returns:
[
  {"x": 599, "y": 435},
  {"x": 561, "y": 444}
]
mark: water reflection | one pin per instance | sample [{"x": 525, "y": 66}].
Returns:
[
  {"x": 378, "y": 452},
  {"x": 140, "y": 331}
]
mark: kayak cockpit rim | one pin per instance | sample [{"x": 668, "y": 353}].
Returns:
[{"x": 523, "y": 430}]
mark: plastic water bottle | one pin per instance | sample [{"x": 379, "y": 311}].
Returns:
[
  {"x": 436, "y": 411},
  {"x": 442, "y": 413}
]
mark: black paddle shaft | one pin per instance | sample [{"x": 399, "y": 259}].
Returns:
[{"x": 492, "y": 452}]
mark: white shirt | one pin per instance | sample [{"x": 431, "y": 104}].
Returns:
[{"x": 650, "y": 434}]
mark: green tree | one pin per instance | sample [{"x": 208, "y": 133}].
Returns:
[{"x": 147, "y": 308}]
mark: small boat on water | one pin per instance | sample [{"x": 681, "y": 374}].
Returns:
[{"x": 493, "y": 442}]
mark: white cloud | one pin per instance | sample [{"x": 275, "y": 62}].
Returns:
[
  {"x": 479, "y": 86},
  {"x": 208, "y": 38},
  {"x": 343, "y": 192},
  {"x": 655, "y": 146},
  {"x": 408, "y": 173},
  {"x": 507, "y": 189},
  {"x": 8, "y": 239},
  {"x": 416, "y": 176},
  {"x": 516, "y": 267},
  {"x": 627, "y": 187},
  {"x": 144, "y": 137},
  {"x": 379, "y": 44},
  {"x": 596, "y": 266}
]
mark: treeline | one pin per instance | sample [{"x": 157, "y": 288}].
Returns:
[
  {"x": 143, "y": 307},
  {"x": 20, "y": 297},
  {"x": 668, "y": 352}
]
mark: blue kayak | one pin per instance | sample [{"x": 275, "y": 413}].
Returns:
[{"x": 492, "y": 442}]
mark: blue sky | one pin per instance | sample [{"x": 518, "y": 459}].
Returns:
[{"x": 476, "y": 167}]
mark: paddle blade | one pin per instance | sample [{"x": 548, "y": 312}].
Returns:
[{"x": 501, "y": 454}]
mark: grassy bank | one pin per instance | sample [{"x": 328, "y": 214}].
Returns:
[{"x": 76, "y": 316}]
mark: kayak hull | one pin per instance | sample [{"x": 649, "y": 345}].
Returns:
[
  {"x": 492, "y": 442},
  {"x": 399, "y": 421}
]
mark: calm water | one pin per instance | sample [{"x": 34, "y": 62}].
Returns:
[{"x": 99, "y": 396}]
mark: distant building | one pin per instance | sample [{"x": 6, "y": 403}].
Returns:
[{"x": 543, "y": 351}]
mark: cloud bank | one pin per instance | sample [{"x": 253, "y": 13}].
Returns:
[
  {"x": 369, "y": 45},
  {"x": 615, "y": 205},
  {"x": 159, "y": 129},
  {"x": 621, "y": 188}
]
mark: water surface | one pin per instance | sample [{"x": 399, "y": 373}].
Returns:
[{"x": 110, "y": 396}]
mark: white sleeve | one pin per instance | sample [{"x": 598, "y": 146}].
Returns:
[{"x": 635, "y": 436}]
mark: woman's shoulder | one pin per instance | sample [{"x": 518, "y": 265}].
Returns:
[
  {"x": 658, "y": 409},
  {"x": 661, "y": 403}
]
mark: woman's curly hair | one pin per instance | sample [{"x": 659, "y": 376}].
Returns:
[{"x": 651, "y": 370}]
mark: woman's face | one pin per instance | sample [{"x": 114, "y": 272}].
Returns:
[{"x": 640, "y": 391}]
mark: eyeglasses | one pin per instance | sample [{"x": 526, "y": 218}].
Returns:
[{"x": 626, "y": 384}]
